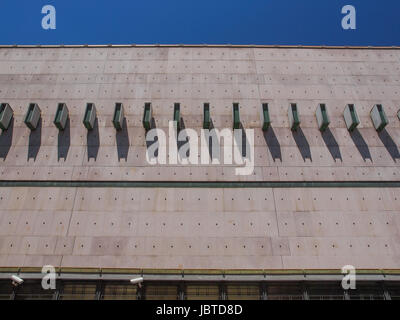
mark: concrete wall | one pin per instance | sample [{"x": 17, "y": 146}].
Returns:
[{"x": 200, "y": 228}]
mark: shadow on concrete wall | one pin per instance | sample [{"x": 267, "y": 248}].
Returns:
[
  {"x": 6, "y": 140},
  {"x": 273, "y": 144},
  {"x": 93, "y": 141},
  {"x": 361, "y": 145},
  {"x": 389, "y": 144},
  {"x": 64, "y": 141},
  {"x": 122, "y": 137},
  {"x": 331, "y": 144},
  {"x": 35, "y": 140},
  {"x": 302, "y": 144}
]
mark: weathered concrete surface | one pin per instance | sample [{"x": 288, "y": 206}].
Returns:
[
  {"x": 193, "y": 76},
  {"x": 198, "y": 228}
]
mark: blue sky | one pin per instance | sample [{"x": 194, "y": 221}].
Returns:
[{"x": 282, "y": 22}]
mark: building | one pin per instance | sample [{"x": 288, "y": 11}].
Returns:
[{"x": 88, "y": 202}]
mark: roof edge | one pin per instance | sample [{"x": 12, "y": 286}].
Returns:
[{"x": 197, "y": 46}]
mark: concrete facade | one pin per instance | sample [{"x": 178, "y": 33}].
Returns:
[{"x": 200, "y": 228}]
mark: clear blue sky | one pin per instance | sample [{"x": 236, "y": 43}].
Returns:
[{"x": 289, "y": 22}]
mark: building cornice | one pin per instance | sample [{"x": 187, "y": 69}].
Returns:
[{"x": 30, "y": 46}]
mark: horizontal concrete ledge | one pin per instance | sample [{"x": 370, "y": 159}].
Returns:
[
  {"x": 194, "y": 46},
  {"x": 202, "y": 275},
  {"x": 201, "y": 184},
  {"x": 202, "y": 278}
]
